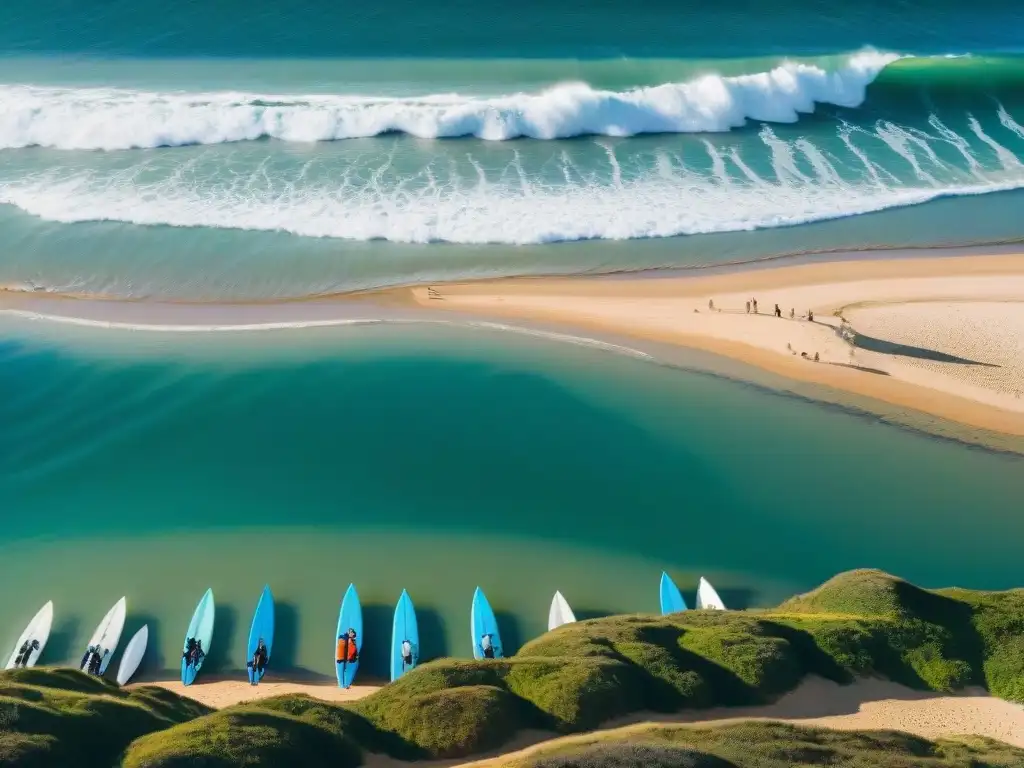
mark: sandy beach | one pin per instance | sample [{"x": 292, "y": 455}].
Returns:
[
  {"x": 224, "y": 693},
  {"x": 869, "y": 704},
  {"x": 940, "y": 335}
]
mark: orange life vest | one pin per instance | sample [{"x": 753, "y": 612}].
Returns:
[{"x": 346, "y": 649}]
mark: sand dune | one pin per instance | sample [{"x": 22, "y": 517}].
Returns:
[{"x": 868, "y": 704}]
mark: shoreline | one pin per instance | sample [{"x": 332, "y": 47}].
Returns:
[{"x": 938, "y": 333}]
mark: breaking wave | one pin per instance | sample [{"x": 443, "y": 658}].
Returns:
[{"x": 112, "y": 119}]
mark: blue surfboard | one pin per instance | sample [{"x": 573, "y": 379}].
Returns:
[
  {"x": 200, "y": 630},
  {"x": 404, "y": 629},
  {"x": 262, "y": 629},
  {"x": 350, "y": 617},
  {"x": 671, "y": 598},
  {"x": 483, "y": 623}
]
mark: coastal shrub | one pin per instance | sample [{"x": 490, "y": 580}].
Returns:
[
  {"x": 576, "y": 694},
  {"x": 64, "y": 717},
  {"x": 244, "y": 737},
  {"x": 865, "y": 592},
  {"x": 770, "y": 745},
  {"x": 450, "y": 722}
]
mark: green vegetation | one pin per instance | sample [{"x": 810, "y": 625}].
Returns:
[
  {"x": 62, "y": 717},
  {"x": 574, "y": 679},
  {"x": 768, "y": 745}
]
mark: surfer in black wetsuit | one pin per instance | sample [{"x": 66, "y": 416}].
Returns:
[
  {"x": 406, "y": 654},
  {"x": 190, "y": 647},
  {"x": 486, "y": 646},
  {"x": 197, "y": 653},
  {"x": 25, "y": 653},
  {"x": 259, "y": 661},
  {"x": 90, "y": 659},
  {"x": 93, "y": 667}
]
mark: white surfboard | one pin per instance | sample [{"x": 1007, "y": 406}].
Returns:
[
  {"x": 33, "y": 638},
  {"x": 707, "y": 598},
  {"x": 107, "y": 635},
  {"x": 560, "y": 612},
  {"x": 132, "y": 656}
]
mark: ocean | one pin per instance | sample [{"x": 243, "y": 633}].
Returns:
[
  {"x": 207, "y": 150},
  {"x": 220, "y": 151}
]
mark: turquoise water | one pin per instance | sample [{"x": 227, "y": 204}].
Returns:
[
  {"x": 204, "y": 151},
  {"x": 219, "y": 151},
  {"x": 437, "y": 459}
]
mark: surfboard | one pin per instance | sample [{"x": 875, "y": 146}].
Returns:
[
  {"x": 707, "y": 598},
  {"x": 560, "y": 613},
  {"x": 201, "y": 629},
  {"x": 132, "y": 656},
  {"x": 404, "y": 628},
  {"x": 350, "y": 617},
  {"x": 482, "y": 623},
  {"x": 262, "y": 629},
  {"x": 106, "y": 637},
  {"x": 37, "y": 631},
  {"x": 671, "y": 598}
]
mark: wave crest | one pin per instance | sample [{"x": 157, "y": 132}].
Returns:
[{"x": 112, "y": 119}]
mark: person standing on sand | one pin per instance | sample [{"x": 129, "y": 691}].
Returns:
[
  {"x": 778, "y": 311},
  {"x": 792, "y": 313},
  {"x": 748, "y": 307},
  {"x": 810, "y": 315},
  {"x": 755, "y": 306},
  {"x": 711, "y": 305}
]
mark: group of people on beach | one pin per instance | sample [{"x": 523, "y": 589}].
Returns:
[{"x": 752, "y": 305}]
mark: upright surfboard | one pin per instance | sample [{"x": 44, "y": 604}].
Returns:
[
  {"x": 106, "y": 637},
  {"x": 200, "y": 629},
  {"x": 707, "y": 598},
  {"x": 671, "y": 598},
  {"x": 30, "y": 645},
  {"x": 482, "y": 623},
  {"x": 404, "y": 628},
  {"x": 262, "y": 629},
  {"x": 560, "y": 613},
  {"x": 132, "y": 656},
  {"x": 350, "y": 617}
]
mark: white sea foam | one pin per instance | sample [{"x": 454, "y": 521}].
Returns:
[
  {"x": 110, "y": 119},
  {"x": 632, "y": 197}
]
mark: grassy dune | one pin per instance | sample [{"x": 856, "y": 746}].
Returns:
[
  {"x": 770, "y": 745},
  {"x": 579, "y": 677}
]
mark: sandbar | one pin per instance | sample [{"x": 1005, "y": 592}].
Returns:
[{"x": 943, "y": 336}]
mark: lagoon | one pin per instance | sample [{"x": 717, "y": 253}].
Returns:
[{"x": 437, "y": 458}]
